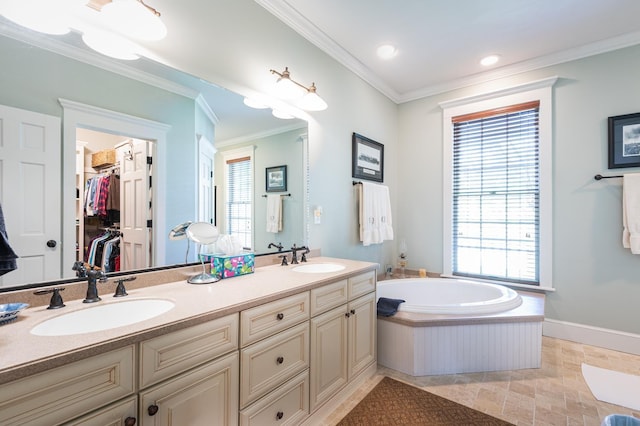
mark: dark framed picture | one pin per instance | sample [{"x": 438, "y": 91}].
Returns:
[
  {"x": 367, "y": 158},
  {"x": 624, "y": 141},
  {"x": 276, "y": 178}
]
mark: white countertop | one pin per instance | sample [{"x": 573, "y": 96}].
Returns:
[{"x": 23, "y": 353}]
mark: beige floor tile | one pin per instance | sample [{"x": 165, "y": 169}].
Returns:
[{"x": 555, "y": 394}]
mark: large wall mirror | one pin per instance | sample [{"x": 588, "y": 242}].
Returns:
[{"x": 169, "y": 137}]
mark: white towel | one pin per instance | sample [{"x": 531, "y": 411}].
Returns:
[
  {"x": 376, "y": 224},
  {"x": 631, "y": 212},
  {"x": 274, "y": 213}
]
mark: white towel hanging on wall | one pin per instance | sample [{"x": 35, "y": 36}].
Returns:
[
  {"x": 374, "y": 208},
  {"x": 274, "y": 213},
  {"x": 631, "y": 212}
]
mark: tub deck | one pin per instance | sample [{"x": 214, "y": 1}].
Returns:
[
  {"x": 432, "y": 344},
  {"x": 531, "y": 310}
]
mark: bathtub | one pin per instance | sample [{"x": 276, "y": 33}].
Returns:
[
  {"x": 449, "y": 296},
  {"x": 450, "y": 326}
]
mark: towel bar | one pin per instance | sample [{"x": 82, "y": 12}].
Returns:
[
  {"x": 282, "y": 195},
  {"x": 599, "y": 177}
]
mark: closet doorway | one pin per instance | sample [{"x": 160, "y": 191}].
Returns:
[{"x": 114, "y": 206}]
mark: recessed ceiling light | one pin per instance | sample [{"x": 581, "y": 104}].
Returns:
[
  {"x": 387, "y": 51},
  {"x": 489, "y": 60}
]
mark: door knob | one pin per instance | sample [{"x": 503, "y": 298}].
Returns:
[{"x": 51, "y": 243}]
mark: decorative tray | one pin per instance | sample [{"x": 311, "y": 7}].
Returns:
[{"x": 10, "y": 311}]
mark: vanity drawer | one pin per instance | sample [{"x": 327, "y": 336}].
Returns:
[
  {"x": 327, "y": 297},
  {"x": 287, "y": 405},
  {"x": 362, "y": 284},
  {"x": 271, "y": 362},
  {"x": 170, "y": 354},
  {"x": 64, "y": 393},
  {"x": 270, "y": 318}
]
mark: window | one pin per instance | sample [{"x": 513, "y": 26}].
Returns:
[
  {"x": 239, "y": 195},
  {"x": 497, "y": 194}
]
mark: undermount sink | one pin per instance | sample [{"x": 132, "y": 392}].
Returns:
[
  {"x": 318, "y": 268},
  {"x": 103, "y": 317}
]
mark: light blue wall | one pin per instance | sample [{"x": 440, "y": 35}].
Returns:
[
  {"x": 597, "y": 281},
  {"x": 34, "y": 79}
]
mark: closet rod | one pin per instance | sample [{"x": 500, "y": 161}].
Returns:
[
  {"x": 599, "y": 177},
  {"x": 282, "y": 195}
]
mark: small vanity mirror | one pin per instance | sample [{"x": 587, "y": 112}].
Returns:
[{"x": 202, "y": 233}]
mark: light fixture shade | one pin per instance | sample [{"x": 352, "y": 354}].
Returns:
[
  {"x": 133, "y": 19},
  {"x": 287, "y": 89},
  {"x": 281, "y": 114},
  {"x": 253, "y": 103},
  {"x": 311, "y": 101},
  {"x": 110, "y": 44},
  {"x": 44, "y": 16}
]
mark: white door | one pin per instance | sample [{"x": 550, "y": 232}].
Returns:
[
  {"x": 135, "y": 209},
  {"x": 30, "y": 193},
  {"x": 206, "y": 208}
]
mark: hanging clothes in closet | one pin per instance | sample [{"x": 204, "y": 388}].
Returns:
[
  {"x": 103, "y": 251},
  {"x": 102, "y": 197}
]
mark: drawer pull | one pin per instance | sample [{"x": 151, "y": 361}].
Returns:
[
  {"x": 279, "y": 415},
  {"x": 280, "y": 360},
  {"x": 280, "y": 316},
  {"x": 347, "y": 314},
  {"x": 130, "y": 421},
  {"x": 353, "y": 312},
  {"x": 152, "y": 410}
]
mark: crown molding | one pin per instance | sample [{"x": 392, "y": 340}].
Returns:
[
  {"x": 260, "y": 135},
  {"x": 291, "y": 17}
]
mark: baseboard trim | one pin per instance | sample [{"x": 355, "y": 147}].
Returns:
[{"x": 594, "y": 336}]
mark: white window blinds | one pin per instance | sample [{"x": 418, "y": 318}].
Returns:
[
  {"x": 496, "y": 194},
  {"x": 239, "y": 199}
]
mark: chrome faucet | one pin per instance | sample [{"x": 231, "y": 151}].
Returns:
[{"x": 93, "y": 277}]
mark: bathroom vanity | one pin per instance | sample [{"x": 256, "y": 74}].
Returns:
[{"x": 275, "y": 347}]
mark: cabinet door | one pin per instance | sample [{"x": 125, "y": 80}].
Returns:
[
  {"x": 328, "y": 371},
  {"x": 206, "y": 396},
  {"x": 362, "y": 333}
]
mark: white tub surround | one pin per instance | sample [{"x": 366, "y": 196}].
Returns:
[{"x": 422, "y": 344}]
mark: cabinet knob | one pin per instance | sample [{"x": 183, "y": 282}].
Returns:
[
  {"x": 347, "y": 314},
  {"x": 130, "y": 421},
  {"x": 280, "y": 360},
  {"x": 353, "y": 312},
  {"x": 280, "y": 316},
  {"x": 279, "y": 415},
  {"x": 152, "y": 409}
]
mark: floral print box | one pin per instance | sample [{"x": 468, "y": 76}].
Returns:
[{"x": 232, "y": 266}]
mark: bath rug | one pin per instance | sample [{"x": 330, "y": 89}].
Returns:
[
  {"x": 613, "y": 386},
  {"x": 393, "y": 403}
]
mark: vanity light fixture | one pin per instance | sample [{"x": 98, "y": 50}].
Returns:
[
  {"x": 107, "y": 26},
  {"x": 135, "y": 19},
  {"x": 281, "y": 114},
  {"x": 307, "y": 98}
]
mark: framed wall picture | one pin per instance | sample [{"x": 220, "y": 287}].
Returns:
[
  {"x": 276, "y": 179},
  {"x": 624, "y": 141},
  {"x": 367, "y": 159}
]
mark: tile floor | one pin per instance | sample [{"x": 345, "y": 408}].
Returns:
[{"x": 555, "y": 394}]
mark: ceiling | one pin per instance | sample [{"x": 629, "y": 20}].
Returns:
[{"x": 440, "y": 43}]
